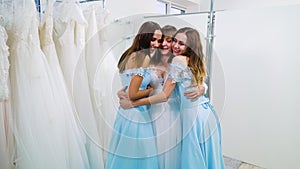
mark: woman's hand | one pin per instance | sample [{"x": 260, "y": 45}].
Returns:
[
  {"x": 125, "y": 103},
  {"x": 194, "y": 94},
  {"x": 122, "y": 94},
  {"x": 150, "y": 89}
]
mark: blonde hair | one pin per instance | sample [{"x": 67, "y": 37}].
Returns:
[{"x": 194, "y": 52}]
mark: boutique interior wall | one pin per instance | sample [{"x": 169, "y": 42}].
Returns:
[{"x": 258, "y": 51}]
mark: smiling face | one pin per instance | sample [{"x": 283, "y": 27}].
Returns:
[
  {"x": 155, "y": 41},
  {"x": 166, "y": 46},
  {"x": 179, "y": 44}
]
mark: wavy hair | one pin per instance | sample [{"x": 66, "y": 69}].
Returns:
[
  {"x": 194, "y": 52},
  {"x": 140, "y": 45},
  {"x": 167, "y": 31}
]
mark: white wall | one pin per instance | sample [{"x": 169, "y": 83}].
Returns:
[
  {"x": 259, "y": 53},
  {"x": 122, "y": 8}
]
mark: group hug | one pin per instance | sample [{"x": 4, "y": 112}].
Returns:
[{"x": 164, "y": 120}]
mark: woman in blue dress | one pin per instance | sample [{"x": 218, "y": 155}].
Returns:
[
  {"x": 132, "y": 145},
  {"x": 201, "y": 131}
]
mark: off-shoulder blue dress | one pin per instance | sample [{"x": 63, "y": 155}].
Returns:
[
  {"x": 132, "y": 145},
  {"x": 201, "y": 131}
]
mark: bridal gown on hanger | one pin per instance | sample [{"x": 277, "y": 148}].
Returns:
[
  {"x": 45, "y": 130},
  {"x": 100, "y": 71},
  {"x": 5, "y": 159},
  {"x": 93, "y": 55},
  {"x": 48, "y": 47},
  {"x": 69, "y": 38}
]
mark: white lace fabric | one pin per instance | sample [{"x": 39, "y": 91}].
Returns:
[{"x": 4, "y": 65}]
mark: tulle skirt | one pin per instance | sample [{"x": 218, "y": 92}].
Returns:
[
  {"x": 167, "y": 130},
  {"x": 132, "y": 144},
  {"x": 5, "y": 137},
  {"x": 46, "y": 133},
  {"x": 202, "y": 140}
]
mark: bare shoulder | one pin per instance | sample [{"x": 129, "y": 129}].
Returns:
[
  {"x": 146, "y": 61},
  {"x": 131, "y": 61},
  {"x": 132, "y": 56},
  {"x": 180, "y": 59}
]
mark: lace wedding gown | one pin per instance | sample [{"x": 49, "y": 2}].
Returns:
[
  {"x": 99, "y": 85},
  {"x": 5, "y": 134},
  {"x": 45, "y": 130},
  {"x": 69, "y": 32}
]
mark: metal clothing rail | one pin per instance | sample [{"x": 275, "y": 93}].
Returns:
[
  {"x": 209, "y": 46},
  {"x": 189, "y": 13}
]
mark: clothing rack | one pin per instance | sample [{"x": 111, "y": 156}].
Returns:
[
  {"x": 189, "y": 13},
  {"x": 40, "y": 5},
  {"x": 209, "y": 46}
]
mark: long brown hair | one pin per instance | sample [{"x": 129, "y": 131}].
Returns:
[
  {"x": 194, "y": 52},
  {"x": 140, "y": 45},
  {"x": 167, "y": 31}
]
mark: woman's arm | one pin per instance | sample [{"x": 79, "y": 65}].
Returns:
[
  {"x": 163, "y": 96},
  {"x": 195, "y": 93},
  {"x": 122, "y": 94},
  {"x": 134, "y": 92},
  {"x": 157, "y": 98}
]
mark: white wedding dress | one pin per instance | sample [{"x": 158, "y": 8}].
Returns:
[
  {"x": 100, "y": 71},
  {"x": 5, "y": 132},
  {"x": 70, "y": 36},
  {"x": 45, "y": 130}
]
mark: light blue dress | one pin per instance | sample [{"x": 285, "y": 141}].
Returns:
[
  {"x": 166, "y": 124},
  {"x": 201, "y": 131},
  {"x": 132, "y": 145}
]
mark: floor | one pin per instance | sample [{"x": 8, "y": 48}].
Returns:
[{"x": 236, "y": 164}]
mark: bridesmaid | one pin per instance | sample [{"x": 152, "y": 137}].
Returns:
[
  {"x": 201, "y": 131},
  {"x": 132, "y": 145}
]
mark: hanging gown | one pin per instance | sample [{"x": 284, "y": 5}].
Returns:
[
  {"x": 69, "y": 38},
  {"x": 45, "y": 131},
  {"x": 93, "y": 54},
  {"x": 132, "y": 145},
  {"x": 100, "y": 71},
  {"x": 201, "y": 131},
  {"x": 5, "y": 158},
  {"x": 166, "y": 124},
  {"x": 48, "y": 47}
]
